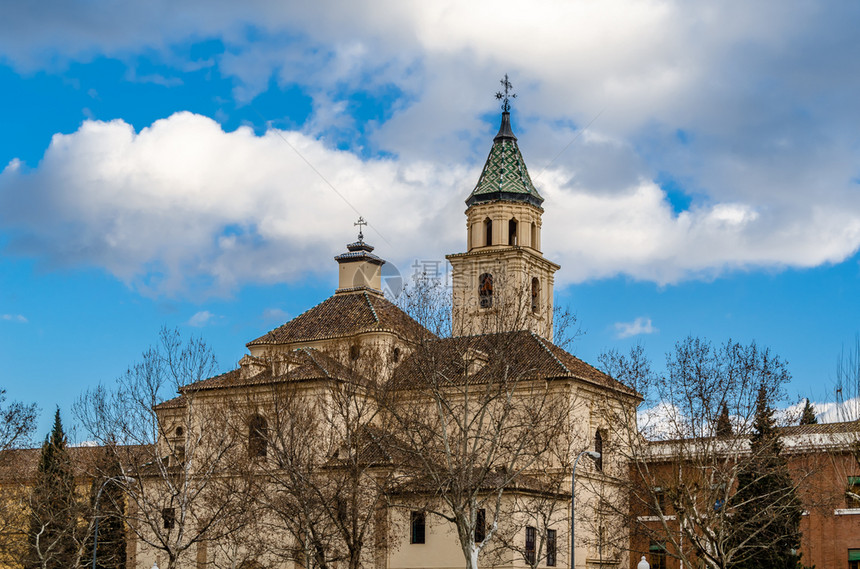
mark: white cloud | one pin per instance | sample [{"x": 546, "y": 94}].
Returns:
[
  {"x": 14, "y": 318},
  {"x": 639, "y": 326},
  {"x": 183, "y": 208},
  {"x": 829, "y": 412},
  {"x": 662, "y": 421},
  {"x": 184, "y": 205},
  {"x": 731, "y": 103},
  {"x": 201, "y": 318}
]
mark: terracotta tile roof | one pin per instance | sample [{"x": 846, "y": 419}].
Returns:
[
  {"x": 175, "y": 403},
  {"x": 523, "y": 353},
  {"x": 795, "y": 438},
  {"x": 487, "y": 482},
  {"x": 373, "y": 448},
  {"x": 344, "y": 315},
  {"x": 303, "y": 364},
  {"x": 20, "y": 465},
  {"x": 821, "y": 429}
]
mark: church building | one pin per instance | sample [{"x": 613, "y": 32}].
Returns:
[{"x": 496, "y": 353}]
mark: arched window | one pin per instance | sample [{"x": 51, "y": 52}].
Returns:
[
  {"x": 257, "y": 436},
  {"x": 535, "y": 294},
  {"x": 534, "y": 235},
  {"x": 395, "y": 355},
  {"x": 598, "y": 448},
  {"x": 353, "y": 352},
  {"x": 512, "y": 232},
  {"x": 488, "y": 232},
  {"x": 485, "y": 290}
]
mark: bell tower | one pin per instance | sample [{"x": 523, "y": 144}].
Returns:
[{"x": 503, "y": 282}]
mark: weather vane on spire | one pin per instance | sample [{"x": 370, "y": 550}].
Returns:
[
  {"x": 360, "y": 223},
  {"x": 506, "y": 106}
]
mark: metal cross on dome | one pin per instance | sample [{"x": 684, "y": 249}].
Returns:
[
  {"x": 360, "y": 223},
  {"x": 506, "y": 106}
]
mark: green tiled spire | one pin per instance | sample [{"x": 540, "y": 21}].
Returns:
[{"x": 505, "y": 176}]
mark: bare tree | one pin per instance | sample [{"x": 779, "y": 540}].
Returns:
[
  {"x": 472, "y": 416},
  {"x": 680, "y": 495},
  {"x": 17, "y": 422},
  {"x": 182, "y": 472},
  {"x": 848, "y": 382},
  {"x": 324, "y": 475},
  {"x": 845, "y": 456},
  {"x": 537, "y": 509}
]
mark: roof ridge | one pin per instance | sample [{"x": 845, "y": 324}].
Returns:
[
  {"x": 544, "y": 346},
  {"x": 370, "y": 305},
  {"x": 270, "y": 332},
  {"x": 307, "y": 351}
]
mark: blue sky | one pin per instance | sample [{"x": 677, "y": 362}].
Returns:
[{"x": 199, "y": 164}]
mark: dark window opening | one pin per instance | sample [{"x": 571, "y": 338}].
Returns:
[
  {"x": 485, "y": 290},
  {"x": 257, "y": 437},
  {"x": 481, "y": 525},
  {"x": 551, "y": 548},
  {"x": 395, "y": 355},
  {"x": 168, "y": 518},
  {"x": 660, "y": 499},
  {"x": 179, "y": 431},
  {"x": 418, "y": 526},
  {"x": 598, "y": 448},
  {"x": 534, "y": 235},
  {"x": 512, "y": 232},
  {"x": 535, "y": 294},
  {"x": 657, "y": 553},
  {"x": 340, "y": 507},
  {"x": 179, "y": 454},
  {"x": 854, "y": 559},
  {"x": 530, "y": 545},
  {"x": 353, "y": 352},
  {"x": 488, "y": 232}
]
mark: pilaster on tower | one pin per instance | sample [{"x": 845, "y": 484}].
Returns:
[{"x": 503, "y": 282}]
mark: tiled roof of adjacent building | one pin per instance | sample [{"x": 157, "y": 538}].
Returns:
[
  {"x": 20, "y": 465},
  {"x": 345, "y": 315},
  {"x": 505, "y": 176}
]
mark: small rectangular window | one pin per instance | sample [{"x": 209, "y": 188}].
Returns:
[
  {"x": 530, "y": 545},
  {"x": 481, "y": 525},
  {"x": 550, "y": 548},
  {"x": 168, "y": 517},
  {"x": 660, "y": 499},
  {"x": 418, "y": 526}
]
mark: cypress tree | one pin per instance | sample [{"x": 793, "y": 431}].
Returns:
[
  {"x": 808, "y": 416},
  {"x": 767, "y": 511},
  {"x": 53, "y": 508},
  {"x": 111, "y": 547},
  {"x": 724, "y": 424}
]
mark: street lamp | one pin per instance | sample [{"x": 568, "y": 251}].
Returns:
[
  {"x": 595, "y": 456},
  {"x": 96, "y": 507}
]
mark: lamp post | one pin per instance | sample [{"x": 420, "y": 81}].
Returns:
[
  {"x": 595, "y": 456},
  {"x": 96, "y": 507}
]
